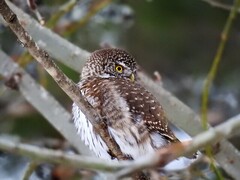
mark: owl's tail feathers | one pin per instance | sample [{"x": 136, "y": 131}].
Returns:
[
  {"x": 183, "y": 168},
  {"x": 182, "y": 136},
  {"x": 179, "y": 164}
]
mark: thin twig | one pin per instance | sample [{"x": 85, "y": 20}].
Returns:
[
  {"x": 33, "y": 6},
  {"x": 212, "y": 73},
  {"x": 65, "y": 8},
  {"x": 219, "y": 5},
  {"x": 96, "y": 7},
  {"x": 216, "y": 61},
  {"x": 30, "y": 168},
  {"x": 25, "y": 58}
]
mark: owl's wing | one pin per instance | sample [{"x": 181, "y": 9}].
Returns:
[
  {"x": 144, "y": 106},
  {"x": 131, "y": 114}
]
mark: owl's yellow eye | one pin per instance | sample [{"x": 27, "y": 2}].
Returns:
[{"x": 119, "y": 69}]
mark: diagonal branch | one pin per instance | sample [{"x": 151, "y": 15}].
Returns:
[
  {"x": 183, "y": 117},
  {"x": 218, "y": 4},
  {"x": 70, "y": 88},
  {"x": 43, "y": 102}
]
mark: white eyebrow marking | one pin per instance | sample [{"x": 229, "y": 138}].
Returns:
[{"x": 122, "y": 64}]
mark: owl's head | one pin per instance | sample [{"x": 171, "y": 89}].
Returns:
[{"x": 110, "y": 62}]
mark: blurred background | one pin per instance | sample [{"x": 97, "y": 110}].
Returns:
[{"x": 177, "y": 39}]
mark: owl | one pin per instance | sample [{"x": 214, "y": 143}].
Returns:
[{"x": 133, "y": 117}]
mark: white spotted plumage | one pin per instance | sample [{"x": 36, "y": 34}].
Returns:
[{"x": 85, "y": 130}]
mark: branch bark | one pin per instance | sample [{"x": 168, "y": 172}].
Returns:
[
  {"x": 70, "y": 88},
  {"x": 59, "y": 157},
  {"x": 166, "y": 155}
]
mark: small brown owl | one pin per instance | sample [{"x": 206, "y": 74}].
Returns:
[{"x": 135, "y": 120}]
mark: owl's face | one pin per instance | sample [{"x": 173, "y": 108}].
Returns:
[{"x": 112, "y": 62}]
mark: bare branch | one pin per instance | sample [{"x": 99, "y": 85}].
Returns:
[
  {"x": 94, "y": 9},
  {"x": 30, "y": 168},
  {"x": 43, "y": 102},
  {"x": 70, "y": 88},
  {"x": 166, "y": 155},
  {"x": 159, "y": 159},
  {"x": 55, "y": 156},
  {"x": 33, "y": 6},
  {"x": 219, "y": 5},
  {"x": 214, "y": 135},
  {"x": 212, "y": 74},
  {"x": 183, "y": 117},
  {"x": 64, "y": 9},
  {"x": 58, "y": 47}
]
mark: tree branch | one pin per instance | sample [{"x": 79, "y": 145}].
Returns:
[
  {"x": 43, "y": 102},
  {"x": 30, "y": 168},
  {"x": 58, "y": 157},
  {"x": 70, "y": 88},
  {"x": 159, "y": 159},
  {"x": 212, "y": 74},
  {"x": 93, "y": 10},
  {"x": 58, "y": 47},
  {"x": 166, "y": 155},
  {"x": 183, "y": 117},
  {"x": 219, "y": 5}
]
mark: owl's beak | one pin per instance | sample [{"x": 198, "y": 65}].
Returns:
[{"x": 132, "y": 77}]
